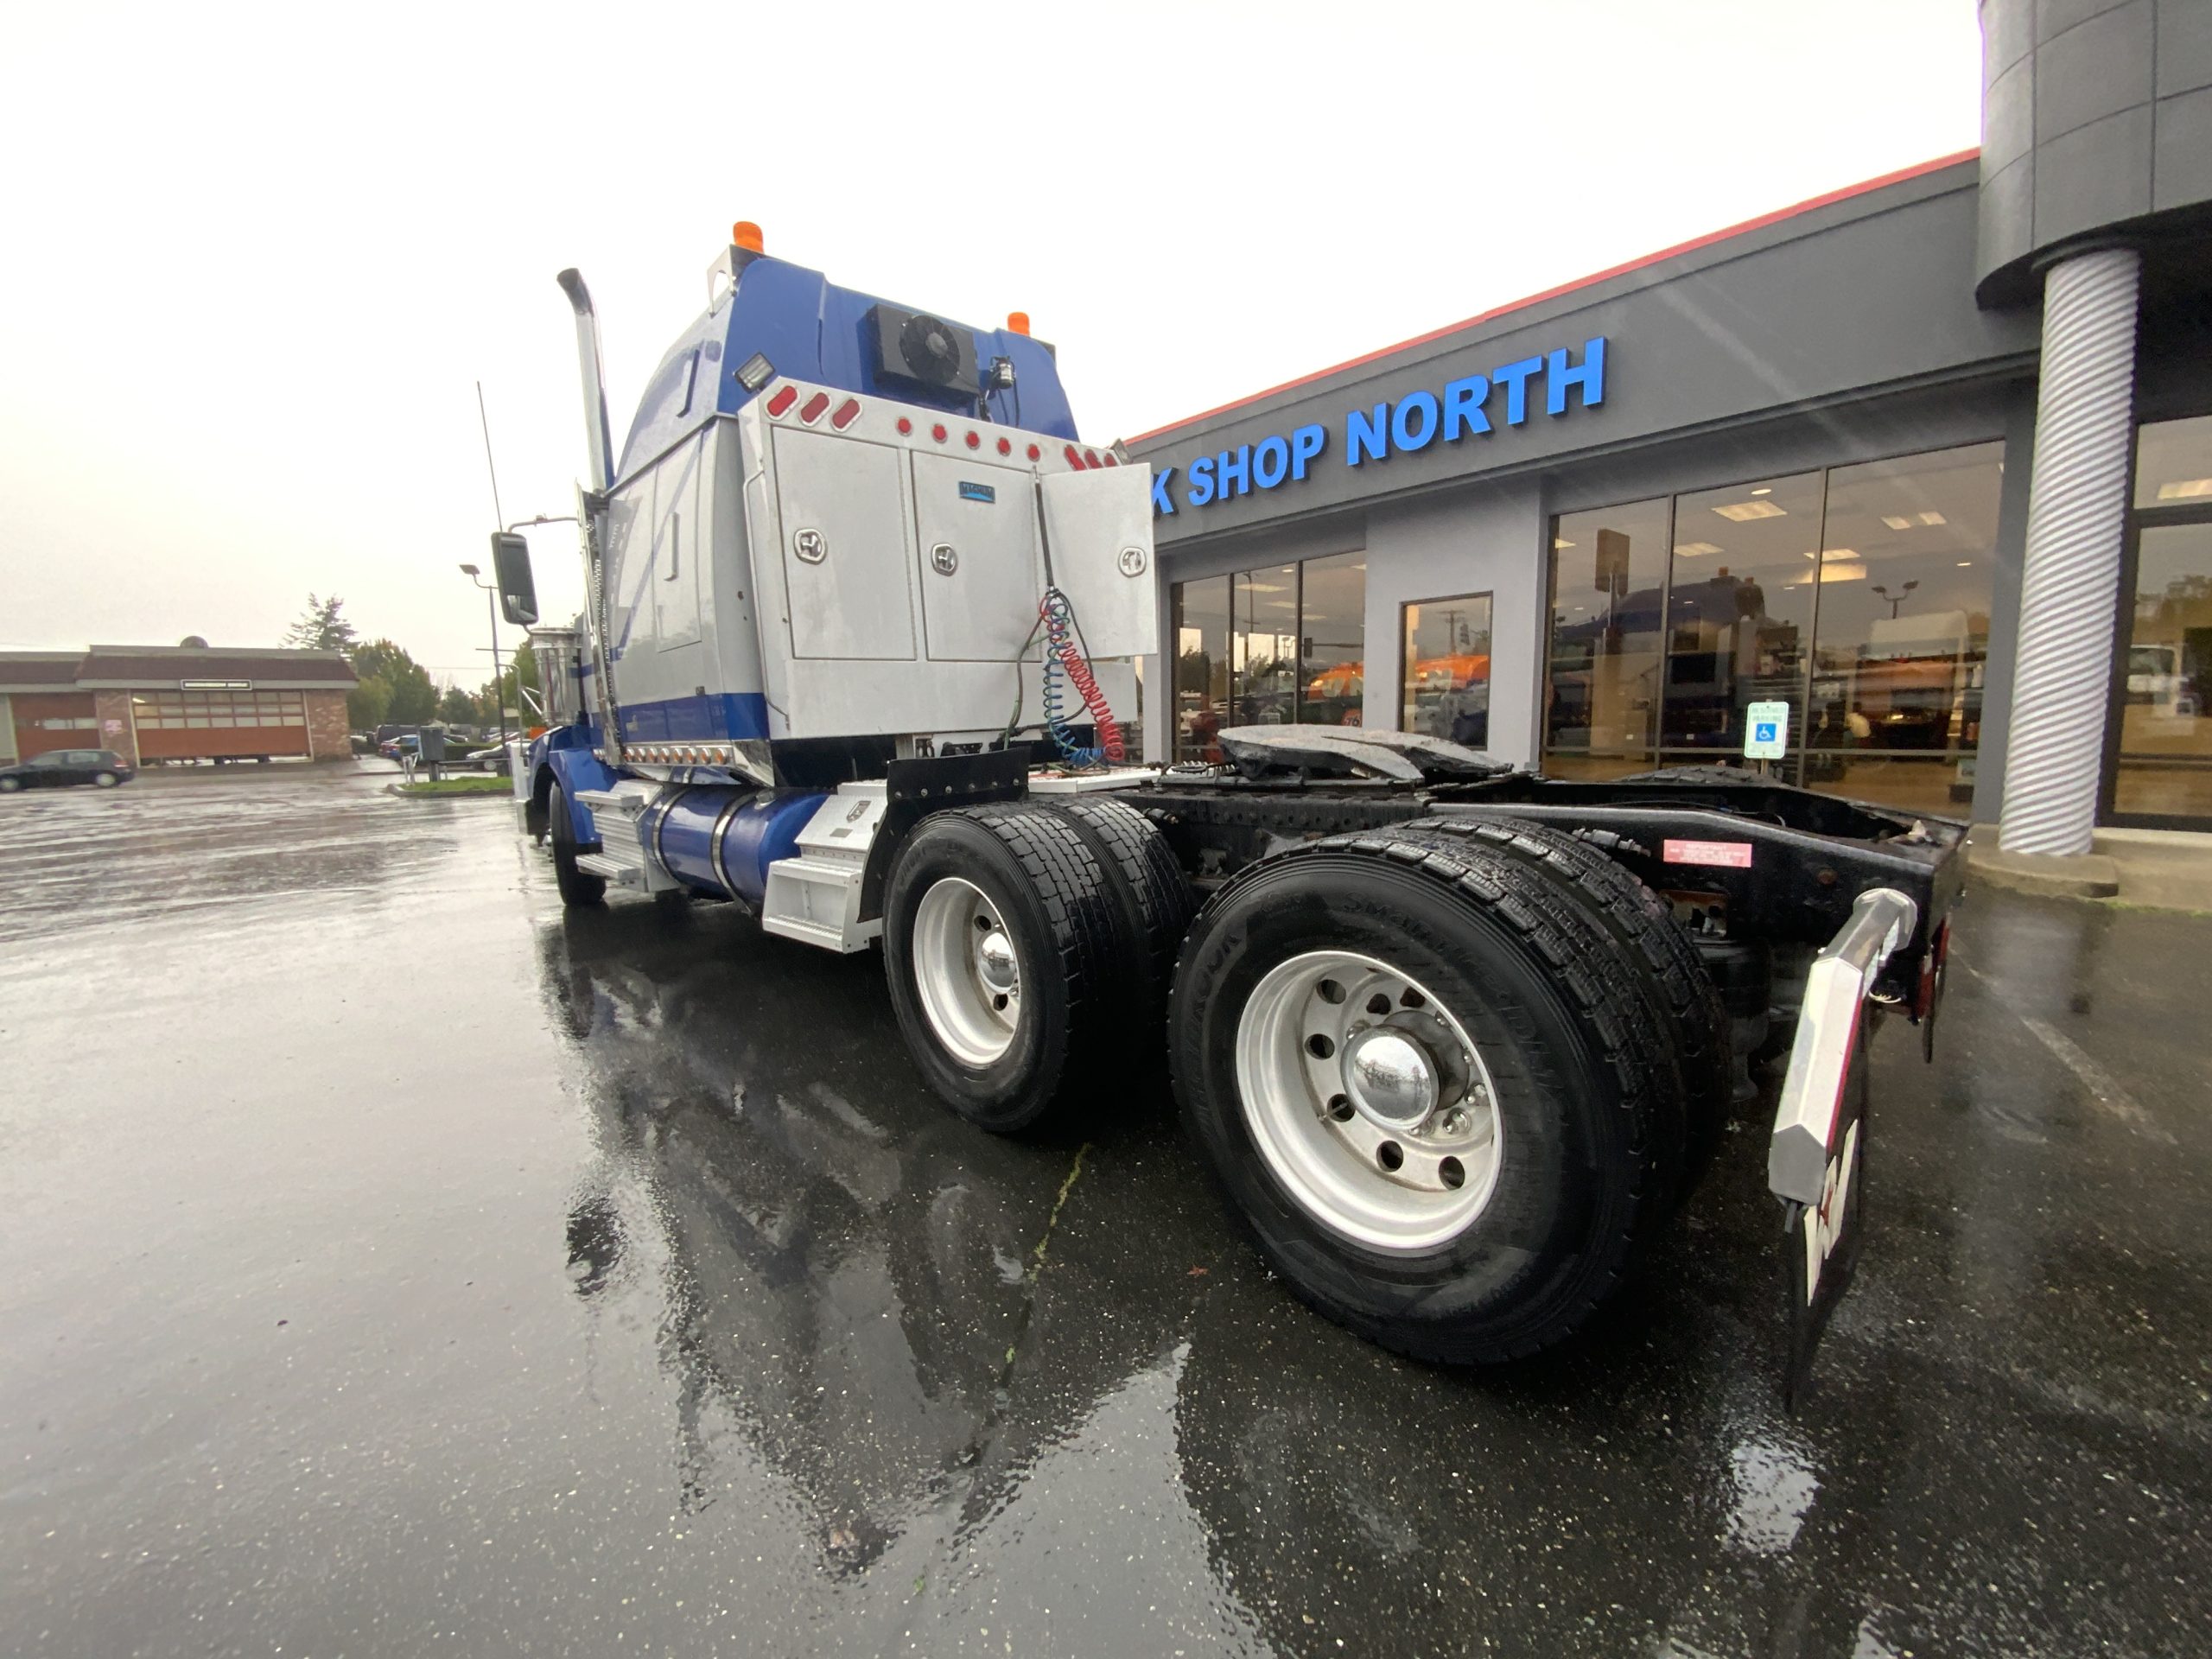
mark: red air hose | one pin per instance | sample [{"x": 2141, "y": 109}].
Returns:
[{"x": 1060, "y": 640}]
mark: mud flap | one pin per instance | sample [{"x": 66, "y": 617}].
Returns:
[
  {"x": 1934, "y": 973},
  {"x": 1820, "y": 1242},
  {"x": 1816, "y": 1161}
]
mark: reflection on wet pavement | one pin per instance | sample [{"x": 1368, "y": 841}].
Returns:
[{"x": 397, "y": 1261}]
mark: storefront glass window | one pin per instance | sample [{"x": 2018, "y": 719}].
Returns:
[
  {"x": 1739, "y": 612},
  {"x": 1332, "y": 623},
  {"x": 1268, "y": 648},
  {"x": 2163, "y": 771},
  {"x": 1609, "y": 584},
  {"x": 1445, "y": 690},
  {"x": 2173, "y": 465},
  {"x": 1859, "y": 596},
  {"x": 1201, "y": 666},
  {"x": 1895, "y": 714},
  {"x": 2166, "y": 734},
  {"x": 1263, "y": 645}
]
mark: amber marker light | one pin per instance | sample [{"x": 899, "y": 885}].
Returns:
[
  {"x": 746, "y": 235},
  {"x": 1017, "y": 322}
]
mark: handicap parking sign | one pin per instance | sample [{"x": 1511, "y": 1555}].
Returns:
[{"x": 1766, "y": 725}]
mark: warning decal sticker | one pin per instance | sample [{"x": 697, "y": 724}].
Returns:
[{"x": 1715, "y": 854}]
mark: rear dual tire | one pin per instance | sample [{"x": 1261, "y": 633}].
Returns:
[
  {"x": 1028, "y": 948},
  {"x": 1000, "y": 947},
  {"x": 1525, "y": 1019}
]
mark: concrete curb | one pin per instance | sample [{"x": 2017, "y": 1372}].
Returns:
[
  {"x": 2157, "y": 869},
  {"x": 400, "y": 790},
  {"x": 2084, "y": 875}
]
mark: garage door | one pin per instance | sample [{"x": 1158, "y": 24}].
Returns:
[
  {"x": 58, "y": 720},
  {"x": 197, "y": 725}
]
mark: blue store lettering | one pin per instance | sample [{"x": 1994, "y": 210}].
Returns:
[{"x": 1414, "y": 422}]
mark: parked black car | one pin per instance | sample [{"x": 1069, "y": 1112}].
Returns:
[{"x": 103, "y": 768}]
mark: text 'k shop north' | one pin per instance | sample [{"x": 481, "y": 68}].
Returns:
[{"x": 1471, "y": 406}]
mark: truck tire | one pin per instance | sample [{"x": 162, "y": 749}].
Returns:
[
  {"x": 1000, "y": 944},
  {"x": 1429, "y": 1083},
  {"x": 1643, "y": 924},
  {"x": 578, "y": 886},
  {"x": 1148, "y": 888},
  {"x": 1700, "y": 777}
]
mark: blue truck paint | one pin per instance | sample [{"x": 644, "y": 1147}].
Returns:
[
  {"x": 569, "y": 752},
  {"x": 811, "y": 329}
]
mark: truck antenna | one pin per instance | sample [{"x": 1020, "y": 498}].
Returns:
[{"x": 499, "y": 518}]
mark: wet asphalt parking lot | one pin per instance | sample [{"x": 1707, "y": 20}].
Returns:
[{"x": 396, "y": 1266}]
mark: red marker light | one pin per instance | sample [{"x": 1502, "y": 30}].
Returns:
[
  {"x": 848, "y": 412},
  {"x": 973, "y": 441},
  {"x": 905, "y": 426},
  {"x": 1035, "y": 453},
  {"x": 783, "y": 400},
  {"x": 1090, "y": 457},
  {"x": 1074, "y": 460},
  {"x": 937, "y": 432},
  {"x": 1110, "y": 460},
  {"x": 1005, "y": 447},
  {"x": 815, "y": 405}
]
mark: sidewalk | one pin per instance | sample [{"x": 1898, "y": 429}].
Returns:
[{"x": 354, "y": 769}]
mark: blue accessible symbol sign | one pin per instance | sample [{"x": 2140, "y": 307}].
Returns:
[{"x": 1766, "y": 727}]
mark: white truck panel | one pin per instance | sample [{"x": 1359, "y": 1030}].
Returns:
[
  {"x": 867, "y": 580},
  {"x": 980, "y": 573},
  {"x": 847, "y": 546},
  {"x": 1098, "y": 525}
]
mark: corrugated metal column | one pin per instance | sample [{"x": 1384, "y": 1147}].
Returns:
[{"x": 2078, "y": 510}]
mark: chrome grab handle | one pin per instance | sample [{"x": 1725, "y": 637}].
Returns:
[{"x": 1827, "y": 1024}]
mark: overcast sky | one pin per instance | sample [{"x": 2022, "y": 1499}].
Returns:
[{"x": 255, "y": 260}]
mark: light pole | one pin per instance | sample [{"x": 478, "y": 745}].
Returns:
[
  {"x": 1897, "y": 601},
  {"x": 492, "y": 605}
]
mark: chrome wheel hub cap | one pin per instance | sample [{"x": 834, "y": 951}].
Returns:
[
  {"x": 1390, "y": 1079},
  {"x": 1368, "y": 1100},
  {"x": 966, "y": 972},
  {"x": 995, "y": 962}
]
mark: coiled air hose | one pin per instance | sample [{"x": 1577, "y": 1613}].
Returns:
[{"x": 1064, "y": 654}]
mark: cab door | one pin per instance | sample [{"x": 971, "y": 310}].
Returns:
[{"x": 679, "y": 539}]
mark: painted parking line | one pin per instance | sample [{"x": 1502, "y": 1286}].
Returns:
[{"x": 2103, "y": 1088}]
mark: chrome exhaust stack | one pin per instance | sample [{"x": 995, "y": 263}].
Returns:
[
  {"x": 598, "y": 436},
  {"x": 591, "y": 510}
]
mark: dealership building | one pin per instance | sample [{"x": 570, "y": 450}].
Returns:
[
  {"x": 1927, "y": 461},
  {"x": 155, "y": 704}
]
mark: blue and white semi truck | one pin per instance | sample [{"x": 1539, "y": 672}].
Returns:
[{"x": 864, "y": 612}]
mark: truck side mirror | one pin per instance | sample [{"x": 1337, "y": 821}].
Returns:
[{"x": 510, "y": 565}]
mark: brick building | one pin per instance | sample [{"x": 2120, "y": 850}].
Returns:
[{"x": 152, "y": 703}]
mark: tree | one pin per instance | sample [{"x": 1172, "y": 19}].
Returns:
[
  {"x": 369, "y": 704},
  {"x": 408, "y": 696},
  {"x": 320, "y": 627},
  {"x": 521, "y": 669},
  {"x": 456, "y": 707}
]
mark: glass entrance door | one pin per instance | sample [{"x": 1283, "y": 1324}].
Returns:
[{"x": 2159, "y": 757}]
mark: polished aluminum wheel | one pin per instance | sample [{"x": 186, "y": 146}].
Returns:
[
  {"x": 967, "y": 972},
  {"x": 1368, "y": 1100}
]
